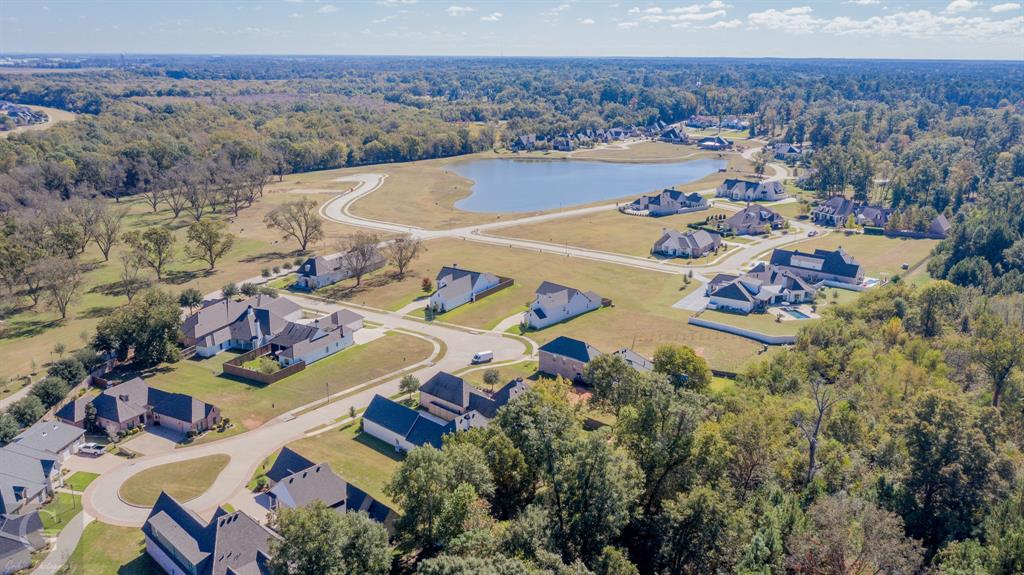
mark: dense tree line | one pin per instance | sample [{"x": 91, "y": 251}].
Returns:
[{"x": 887, "y": 440}]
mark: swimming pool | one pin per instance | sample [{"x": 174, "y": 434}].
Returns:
[{"x": 795, "y": 313}]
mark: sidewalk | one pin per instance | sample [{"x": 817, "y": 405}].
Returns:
[{"x": 65, "y": 545}]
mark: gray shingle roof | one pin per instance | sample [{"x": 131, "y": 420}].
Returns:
[
  {"x": 572, "y": 348},
  {"x": 412, "y": 425},
  {"x": 287, "y": 463},
  {"x": 49, "y": 436}
]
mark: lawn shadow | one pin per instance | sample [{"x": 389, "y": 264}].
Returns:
[
  {"x": 141, "y": 565},
  {"x": 181, "y": 276},
  {"x": 109, "y": 289},
  {"x": 27, "y": 328},
  {"x": 272, "y": 256},
  {"x": 98, "y": 311},
  {"x": 347, "y": 292},
  {"x": 378, "y": 446}
]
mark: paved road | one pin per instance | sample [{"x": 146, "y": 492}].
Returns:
[{"x": 249, "y": 449}]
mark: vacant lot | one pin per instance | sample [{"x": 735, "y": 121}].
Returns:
[
  {"x": 643, "y": 299},
  {"x": 365, "y": 461},
  {"x": 250, "y": 404},
  {"x": 878, "y": 254},
  {"x": 184, "y": 480},
  {"x": 106, "y": 549},
  {"x": 608, "y": 231}
]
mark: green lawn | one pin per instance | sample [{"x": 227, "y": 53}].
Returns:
[
  {"x": 249, "y": 404},
  {"x": 59, "y": 511},
  {"x": 106, "y": 549},
  {"x": 365, "y": 461},
  {"x": 184, "y": 481},
  {"x": 524, "y": 369},
  {"x": 877, "y": 254},
  {"x": 80, "y": 480},
  {"x": 760, "y": 322}
]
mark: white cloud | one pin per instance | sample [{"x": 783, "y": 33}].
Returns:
[
  {"x": 327, "y": 9},
  {"x": 1007, "y": 7},
  {"x": 915, "y": 24},
  {"x": 726, "y": 24},
  {"x": 459, "y": 10},
  {"x": 295, "y": 15},
  {"x": 552, "y": 14},
  {"x": 628, "y": 25},
  {"x": 633, "y": 10},
  {"x": 957, "y": 6},
  {"x": 679, "y": 16},
  {"x": 862, "y": 2},
  {"x": 492, "y": 17},
  {"x": 587, "y": 21}
]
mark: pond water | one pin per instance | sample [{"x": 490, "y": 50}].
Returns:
[{"x": 516, "y": 185}]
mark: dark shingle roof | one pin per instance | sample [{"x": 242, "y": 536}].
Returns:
[
  {"x": 448, "y": 387},
  {"x": 836, "y": 262},
  {"x": 73, "y": 410},
  {"x": 572, "y": 348},
  {"x": 390, "y": 415},
  {"x": 287, "y": 463}
]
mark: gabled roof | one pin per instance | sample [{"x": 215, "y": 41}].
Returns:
[
  {"x": 73, "y": 410},
  {"x": 700, "y": 240},
  {"x": 448, "y": 387},
  {"x": 412, "y": 425},
  {"x": 342, "y": 317},
  {"x": 179, "y": 406},
  {"x": 571, "y": 348},
  {"x": 314, "y": 483},
  {"x": 287, "y": 463},
  {"x": 837, "y": 207},
  {"x": 753, "y": 216},
  {"x": 549, "y": 293},
  {"x": 734, "y": 291},
  {"x": 426, "y": 431},
  {"x": 20, "y": 533},
  {"x": 231, "y": 543},
  {"x": 635, "y": 360},
  {"x": 123, "y": 402},
  {"x": 454, "y": 281},
  {"x": 23, "y": 474},
  {"x": 49, "y": 436},
  {"x": 835, "y": 262}
]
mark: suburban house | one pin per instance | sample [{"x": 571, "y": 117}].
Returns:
[
  {"x": 875, "y": 216},
  {"x": 751, "y": 191},
  {"x": 759, "y": 288},
  {"x": 822, "y": 265},
  {"x": 566, "y": 357},
  {"x": 307, "y": 343},
  {"x": 554, "y": 303},
  {"x": 693, "y": 244},
  {"x": 788, "y": 152},
  {"x": 320, "y": 271},
  {"x": 54, "y": 438},
  {"x": 182, "y": 543},
  {"x": 835, "y": 211},
  {"x": 714, "y": 143},
  {"x": 320, "y": 483},
  {"x": 450, "y": 398},
  {"x": 674, "y": 135},
  {"x": 754, "y": 219},
  {"x": 20, "y": 536},
  {"x": 456, "y": 286},
  {"x": 403, "y": 427},
  {"x": 244, "y": 325},
  {"x": 135, "y": 403},
  {"x": 27, "y": 479},
  {"x": 667, "y": 203}
]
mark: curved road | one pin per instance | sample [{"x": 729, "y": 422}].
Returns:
[{"x": 249, "y": 449}]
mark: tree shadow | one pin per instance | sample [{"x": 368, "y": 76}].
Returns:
[
  {"x": 108, "y": 289},
  {"x": 179, "y": 277},
  {"x": 98, "y": 311},
  {"x": 271, "y": 256},
  {"x": 27, "y": 328},
  {"x": 346, "y": 292}
]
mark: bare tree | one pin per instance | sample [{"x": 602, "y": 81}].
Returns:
[
  {"x": 400, "y": 252},
  {"x": 361, "y": 254},
  {"x": 106, "y": 227},
  {"x": 153, "y": 194},
  {"x": 33, "y": 277},
  {"x": 824, "y": 400},
  {"x": 175, "y": 193},
  {"x": 298, "y": 220},
  {"x": 132, "y": 279},
  {"x": 62, "y": 282},
  {"x": 255, "y": 176},
  {"x": 208, "y": 242},
  {"x": 196, "y": 182}
]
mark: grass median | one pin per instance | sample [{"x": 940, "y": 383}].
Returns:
[{"x": 183, "y": 480}]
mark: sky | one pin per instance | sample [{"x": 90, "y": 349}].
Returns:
[{"x": 919, "y": 29}]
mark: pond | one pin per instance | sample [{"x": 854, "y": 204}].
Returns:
[{"x": 517, "y": 185}]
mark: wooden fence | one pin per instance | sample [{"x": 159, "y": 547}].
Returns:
[
  {"x": 235, "y": 367},
  {"x": 502, "y": 284}
]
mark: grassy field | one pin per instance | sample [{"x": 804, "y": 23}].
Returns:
[
  {"x": 878, "y": 254},
  {"x": 79, "y": 480},
  {"x": 608, "y": 231},
  {"x": 642, "y": 315},
  {"x": 524, "y": 369},
  {"x": 250, "y": 404},
  {"x": 184, "y": 481},
  {"x": 365, "y": 461},
  {"x": 105, "y": 549},
  {"x": 61, "y": 509}
]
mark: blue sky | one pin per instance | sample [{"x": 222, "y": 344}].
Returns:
[{"x": 966, "y": 29}]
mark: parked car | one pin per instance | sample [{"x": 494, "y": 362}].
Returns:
[
  {"x": 483, "y": 357},
  {"x": 812, "y": 233},
  {"x": 92, "y": 449}
]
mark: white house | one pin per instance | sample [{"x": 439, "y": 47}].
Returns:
[
  {"x": 320, "y": 271},
  {"x": 244, "y": 325},
  {"x": 309, "y": 342},
  {"x": 554, "y": 303},
  {"x": 457, "y": 286},
  {"x": 759, "y": 288},
  {"x": 687, "y": 245},
  {"x": 751, "y": 191}
]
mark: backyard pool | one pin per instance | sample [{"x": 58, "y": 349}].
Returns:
[
  {"x": 519, "y": 185},
  {"x": 795, "y": 313}
]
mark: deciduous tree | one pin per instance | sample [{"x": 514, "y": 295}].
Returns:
[
  {"x": 317, "y": 539},
  {"x": 208, "y": 242},
  {"x": 154, "y": 247},
  {"x": 298, "y": 220}
]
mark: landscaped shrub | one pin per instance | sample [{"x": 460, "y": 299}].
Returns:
[
  {"x": 299, "y": 261},
  {"x": 427, "y": 285},
  {"x": 277, "y": 269},
  {"x": 69, "y": 370},
  {"x": 263, "y": 364},
  {"x": 265, "y": 272}
]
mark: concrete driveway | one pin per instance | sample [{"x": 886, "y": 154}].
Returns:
[{"x": 154, "y": 440}]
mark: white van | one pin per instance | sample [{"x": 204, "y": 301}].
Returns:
[{"x": 483, "y": 357}]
